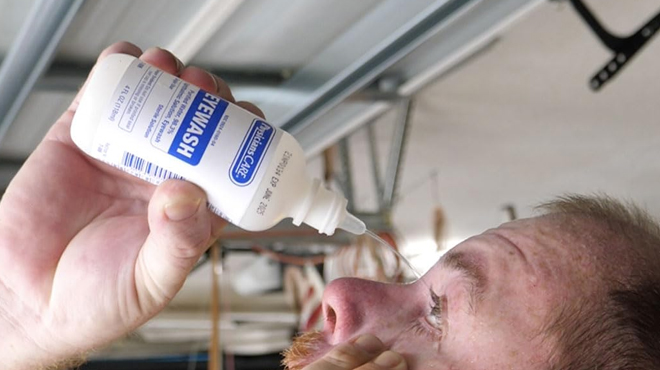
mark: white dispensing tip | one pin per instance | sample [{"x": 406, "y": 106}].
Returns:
[
  {"x": 325, "y": 210},
  {"x": 352, "y": 224}
]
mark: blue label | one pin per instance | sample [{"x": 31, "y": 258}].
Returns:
[
  {"x": 197, "y": 127},
  {"x": 251, "y": 153}
]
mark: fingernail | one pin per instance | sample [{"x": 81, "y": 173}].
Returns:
[
  {"x": 368, "y": 343},
  {"x": 181, "y": 209},
  {"x": 388, "y": 359},
  {"x": 151, "y": 50},
  {"x": 179, "y": 64},
  {"x": 215, "y": 81}
]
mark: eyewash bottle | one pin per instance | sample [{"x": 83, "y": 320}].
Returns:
[{"x": 156, "y": 126}]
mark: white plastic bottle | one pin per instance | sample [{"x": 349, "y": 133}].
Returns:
[{"x": 156, "y": 126}]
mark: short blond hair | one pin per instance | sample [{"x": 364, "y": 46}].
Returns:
[
  {"x": 618, "y": 216},
  {"x": 621, "y": 331}
]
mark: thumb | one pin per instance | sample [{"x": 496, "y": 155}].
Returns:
[
  {"x": 365, "y": 352},
  {"x": 181, "y": 229}
]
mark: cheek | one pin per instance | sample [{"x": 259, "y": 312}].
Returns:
[
  {"x": 484, "y": 345},
  {"x": 420, "y": 352},
  {"x": 508, "y": 331}
]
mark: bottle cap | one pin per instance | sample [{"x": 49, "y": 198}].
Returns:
[{"x": 325, "y": 210}]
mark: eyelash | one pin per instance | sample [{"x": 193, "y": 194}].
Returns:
[{"x": 434, "y": 331}]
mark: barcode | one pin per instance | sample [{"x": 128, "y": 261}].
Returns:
[{"x": 136, "y": 163}]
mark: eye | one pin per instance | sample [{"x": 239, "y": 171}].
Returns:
[
  {"x": 435, "y": 317},
  {"x": 433, "y": 324}
]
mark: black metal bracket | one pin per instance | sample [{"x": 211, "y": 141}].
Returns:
[{"x": 624, "y": 48}]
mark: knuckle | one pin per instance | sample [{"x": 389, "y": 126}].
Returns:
[{"x": 118, "y": 47}]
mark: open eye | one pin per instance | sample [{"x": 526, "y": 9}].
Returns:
[
  {"x": 435, "y": 318},
  {"x": 433, "y": 324},
  {"x": 434, "y": 321}
]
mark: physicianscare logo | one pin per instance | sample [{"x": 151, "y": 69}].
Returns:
[
  {"x": 251, "y": 153},
  {"x": 197, "y": 127}
]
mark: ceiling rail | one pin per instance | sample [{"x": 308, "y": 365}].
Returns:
[{"x": 31, "y": 53}]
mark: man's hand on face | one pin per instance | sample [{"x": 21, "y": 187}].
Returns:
[
  {"x": 365, "y": 352},
  {"x": 88, "y": 253}
]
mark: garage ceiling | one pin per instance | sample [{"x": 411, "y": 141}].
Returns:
[{"x": 502, "y": 112}]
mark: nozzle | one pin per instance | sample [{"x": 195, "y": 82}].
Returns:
[
  {"x": 325, "y": 210},
  {"x": 352, "y": 224}
]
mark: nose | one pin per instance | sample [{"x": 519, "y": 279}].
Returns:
[{"x": 355, "y": 306}]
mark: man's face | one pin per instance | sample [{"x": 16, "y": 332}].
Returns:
[{"x": 484, "y": 305}]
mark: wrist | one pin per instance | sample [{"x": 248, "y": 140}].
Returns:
[
  {"x": 21, "y": 353},
  {"x": 18, "y": 350},
  {"x": 21, "y": 334}
]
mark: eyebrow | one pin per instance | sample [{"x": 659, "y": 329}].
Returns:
[{"x": 471, "y": 268}]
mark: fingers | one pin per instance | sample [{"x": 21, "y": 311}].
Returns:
[
  {"x": 122, "y": 47},
  {"x": 168, "y": 62},
  {"x": 162, "y": 59},
  {"x": 251, "y": 108},
  {"x": 363, "y": 353},
  {"x": 223, "y": 89},
  {"x": 181, "y": 229},
  {"x": 386, "y": 360},
  {"x": 209, "y": 82},
  {"x": 203, "y": 79}
]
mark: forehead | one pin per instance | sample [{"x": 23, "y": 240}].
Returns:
[
  {"x": 541, "y": 253},
  {"x": 553, "y": 235},
  {"x": 570, "y": 253}
]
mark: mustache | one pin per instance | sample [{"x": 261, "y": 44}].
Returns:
[{"x": 301, "y": 352}]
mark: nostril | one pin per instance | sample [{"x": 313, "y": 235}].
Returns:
[
  {"x": 345, "y": 304},
  {"x": 330, "y": 319}
]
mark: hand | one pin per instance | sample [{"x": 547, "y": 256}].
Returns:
[
  {"x": 87, "y": 252},
  {"x": 365, "y": 352}
]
